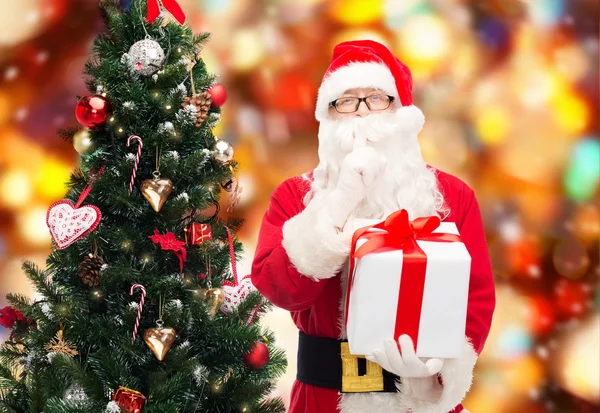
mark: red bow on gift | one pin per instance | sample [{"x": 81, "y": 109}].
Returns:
[
  {"x": 168, "y": 242},
  {"x": 401, "y": 234},
  {"x": 172, "y": 7}
]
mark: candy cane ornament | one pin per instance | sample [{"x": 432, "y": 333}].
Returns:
[
  {"x": 140, "y": 308},
  {"x": 137, "y": 158}
]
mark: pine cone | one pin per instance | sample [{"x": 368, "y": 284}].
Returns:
[
  {"x": 202, "y": 102},
  {"x": 89, "y": 270}
]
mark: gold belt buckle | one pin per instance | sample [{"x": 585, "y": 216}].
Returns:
[{"x": 351, "y": 381}]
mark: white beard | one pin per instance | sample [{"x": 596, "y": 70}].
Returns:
[{"x": 406, "y": 182}]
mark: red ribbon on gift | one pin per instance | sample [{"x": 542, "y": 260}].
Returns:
[
  {"x": 170, "y": 5},
  {"x": 401, "y": 234}
]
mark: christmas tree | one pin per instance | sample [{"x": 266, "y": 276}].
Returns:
[{"x": 142, "y": 308}]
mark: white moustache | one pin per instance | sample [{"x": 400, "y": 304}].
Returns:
[{"x": 349, "y": 133}]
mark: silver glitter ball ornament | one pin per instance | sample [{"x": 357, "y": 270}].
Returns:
[
  {"x": 223, "y": 151},
  {"x": 146, "y": 57},
  {"x": 75, "y": 394}
]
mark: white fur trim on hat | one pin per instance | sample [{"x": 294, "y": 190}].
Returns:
[{"x": 354, "y": 75}]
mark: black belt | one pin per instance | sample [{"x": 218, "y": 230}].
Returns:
[{"x": 327, "y": 362}]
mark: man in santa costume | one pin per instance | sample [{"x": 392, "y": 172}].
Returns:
[{"x": 370, "y": 165}]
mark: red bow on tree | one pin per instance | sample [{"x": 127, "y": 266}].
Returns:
[
  {"x": 168, "y": 242},
  {"x": 172, "y": 7},
  {"x": 9, "y": 315}
]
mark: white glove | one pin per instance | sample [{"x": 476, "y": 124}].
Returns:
[
  {"x": 359, "y": 170},
  {"x": 404, "y": 362}
]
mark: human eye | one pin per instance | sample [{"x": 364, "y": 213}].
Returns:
[{"x": 377, "y": 97}]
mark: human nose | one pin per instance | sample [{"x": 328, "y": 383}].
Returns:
[{"x": 363, "y": 109}]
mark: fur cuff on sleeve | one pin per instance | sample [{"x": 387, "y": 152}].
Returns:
[
  {"x": 457, "y": 376},
  {"x": 312, "y": 243}
]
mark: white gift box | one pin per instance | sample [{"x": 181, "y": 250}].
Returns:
[{"x": 373, "y": 303}]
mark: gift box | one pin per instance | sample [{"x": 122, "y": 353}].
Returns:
[
  {"x": 408, "y": 278},
  {"x": 128, "y": 400},
  {"x": 197, "y": 233}
]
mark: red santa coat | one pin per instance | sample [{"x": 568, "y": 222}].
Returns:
[{"x": 315, "y": 304}]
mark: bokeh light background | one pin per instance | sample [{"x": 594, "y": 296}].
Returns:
[{"x": 510, "y": 92}]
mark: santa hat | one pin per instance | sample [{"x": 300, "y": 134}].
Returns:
[{"x": 363, "y": 64}]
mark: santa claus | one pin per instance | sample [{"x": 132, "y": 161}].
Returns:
[{"x": 370, "y": 165}]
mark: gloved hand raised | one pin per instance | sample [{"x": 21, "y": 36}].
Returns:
[{"x": 359, "y": 170}]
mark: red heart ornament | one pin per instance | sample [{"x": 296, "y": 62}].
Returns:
[{"x": 68, "y": 224}]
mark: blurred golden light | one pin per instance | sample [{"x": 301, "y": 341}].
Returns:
[
  {"x": 358, "y": 33},
  {"x": 248, "y": 184},
  {"x": 396, "y": 11},
  {"x": 514, "y": 316},
  {"x": 572, "y": 62},
  {"x": 586, "y": 224},
  {"x": 146, "y": 257},
  {"x": 533, "y": 156},
  {"x": 51, "y": 179},
  {"x": 523, "y": 375},
  {"x": 14, "y": 143},
  {"x": 423, "y": 42},
  {"x": 248, "y": 49},
  {"x": 571, "y": 113},
  {"x": 5, "y": 107},
  {"x": 570, "y": 258},
  {"x": 356, "y": 11},
  {"x": 211, "y": 60},
  {"x": 536, "y": 85},
  {"x": 15, "y": 188},
  {"x": 465, "y": 60},
  {"x": 32, "y": 226},
  {"x": 578, "y": 363},
  {"x": 22, "y": 22},
  {"x": 493, "y": 124},
  {"x": 478, "y": 399},
  {"x": 441, "y": 137},
  {"x": 218, "y": 130},
  {"x": 12, "y": 277}
]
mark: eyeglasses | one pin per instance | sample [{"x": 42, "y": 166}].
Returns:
[{"x": 374, "y": 102}]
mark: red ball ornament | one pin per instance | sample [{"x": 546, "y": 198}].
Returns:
[
  {"x": 218, "y": 94},
  {"x": 258, "y": 357},
  {"x": 92, "y": 111},
  {"x": 573, "y": 299},
  {"x": 542, "y": 315}
]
